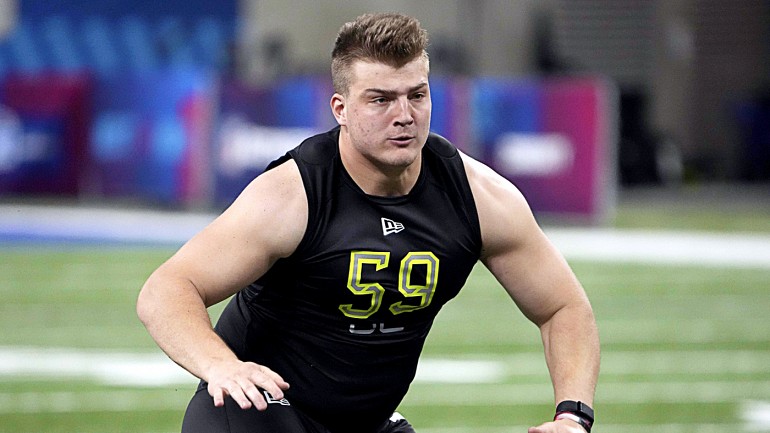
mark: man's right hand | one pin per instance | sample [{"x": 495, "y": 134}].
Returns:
[{"x": 242, "y": 381}]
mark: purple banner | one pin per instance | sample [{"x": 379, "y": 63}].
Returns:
[
  {"x": 44, "y": 122},
  {"x": 552, "y": 138}
]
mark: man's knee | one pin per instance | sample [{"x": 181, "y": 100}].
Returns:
[{"x": 203, "y": 417}]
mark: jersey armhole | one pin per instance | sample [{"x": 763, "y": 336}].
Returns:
[
  {"x": 315, "y": 159},
  {"x": 472, "y": 212},
  {"x": 444, "y": 149}
]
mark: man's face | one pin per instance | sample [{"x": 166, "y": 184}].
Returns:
[{"x": 386, "y": 113}]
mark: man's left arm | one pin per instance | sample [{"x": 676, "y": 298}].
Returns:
[{"x": 543, "y": 286}]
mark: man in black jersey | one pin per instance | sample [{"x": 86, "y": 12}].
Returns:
[{"x": 340, "y": 256}]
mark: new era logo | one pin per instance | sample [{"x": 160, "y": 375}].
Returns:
[{"x": 389, "y": 226}]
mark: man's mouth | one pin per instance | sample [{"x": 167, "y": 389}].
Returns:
[{"x": 402, "y": 139}]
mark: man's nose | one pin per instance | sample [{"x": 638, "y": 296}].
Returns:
[{"x": 403, "y": 114}]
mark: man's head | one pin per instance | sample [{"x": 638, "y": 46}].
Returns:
[
  {"x": 388, "y": 38},
  {"x": 382, "y": 95}
]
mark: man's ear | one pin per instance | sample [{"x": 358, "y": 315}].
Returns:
[{"x": 337, "y": 104}]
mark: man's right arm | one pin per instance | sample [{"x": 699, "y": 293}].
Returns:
[{"x": 265, "y": 223}]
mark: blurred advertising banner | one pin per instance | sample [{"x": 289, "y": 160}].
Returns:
[
  {"x": 187, "y": 136},
  {"x": 553, "y": 138},
  {"x": 150, "y": 136},
  {"x": 451, "y": 111},
  {"x": 259, "y": 124},
  {"x": 44, "y": 121}
]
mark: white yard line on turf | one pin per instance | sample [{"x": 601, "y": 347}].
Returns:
[
  {"x": 756, "y": 415},
  {"x": 491, "y": 395},
  {"x": 739, "y": 250},
  {"x": 743, "y": 250},
  {"x": 149, "y": 371},
  {"x": 156, "y": 370},
  {"x": 111, "y": 368},
  {"x": 99, "y": 224}
]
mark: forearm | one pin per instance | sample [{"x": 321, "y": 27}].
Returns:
[
  {"x": 176, "y": 317},
  {"x": 571, "y": 343}
]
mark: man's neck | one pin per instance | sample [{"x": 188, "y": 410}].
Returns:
[{"x": 378, "y": 179}]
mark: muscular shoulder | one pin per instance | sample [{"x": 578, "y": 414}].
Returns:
[
  {"x": 504, "y": 214},
  {"x": 274, "y": 208},
  {"x": 265, "y": 223}
]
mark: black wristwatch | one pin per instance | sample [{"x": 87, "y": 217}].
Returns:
[{"x": 576, "y": 411}]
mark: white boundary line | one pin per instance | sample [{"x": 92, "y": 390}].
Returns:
[
  {"x": 742, "y": 250},
  {"x": 738, "y": 250},
  {"x": 151, "y": 370}
]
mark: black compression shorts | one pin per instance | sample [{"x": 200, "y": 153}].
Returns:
[{"x": 280, "y": 417}]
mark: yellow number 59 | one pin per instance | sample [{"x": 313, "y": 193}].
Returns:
[{"x": 410, "y": 289}]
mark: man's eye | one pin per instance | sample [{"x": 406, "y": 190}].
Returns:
[
  {"x": 418, "y": 96},
  {"x": 379, "y": 100}
]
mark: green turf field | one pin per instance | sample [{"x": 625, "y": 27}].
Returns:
[{"x": 685, "y": 349}]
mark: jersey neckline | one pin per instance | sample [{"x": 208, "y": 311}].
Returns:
[{"x": 348, "y": 179}]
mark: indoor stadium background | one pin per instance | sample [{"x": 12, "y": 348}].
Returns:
[{"x": 638, "y": 130}]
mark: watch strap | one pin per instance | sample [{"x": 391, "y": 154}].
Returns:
[{"x": 580, "y": 412}]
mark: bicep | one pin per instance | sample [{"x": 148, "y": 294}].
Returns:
[
  {"x": 536, "y": 276},
  {"x": 517, "y": 252},
  {"x": 266, "y": 222}
]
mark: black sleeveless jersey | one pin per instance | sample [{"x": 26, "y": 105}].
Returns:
[{"x": 344, "y": 318}]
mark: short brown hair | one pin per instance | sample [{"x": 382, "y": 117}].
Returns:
[{"x": 389, "y": 38}]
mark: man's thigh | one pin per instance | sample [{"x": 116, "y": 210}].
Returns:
[{"x": 202, "y": 417}]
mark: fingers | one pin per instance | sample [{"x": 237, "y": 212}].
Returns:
[
  {"x": 252, "y": 395},
  {"x": 218, "y": 395},
  {"x": 244, "y": 382},
  {"x": 276, "y": 378},
  {"x": 270, "y": 381},
  {"x": 244, "y": 394}
]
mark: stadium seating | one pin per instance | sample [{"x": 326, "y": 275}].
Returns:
[{"x": 103, "y": 45}]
